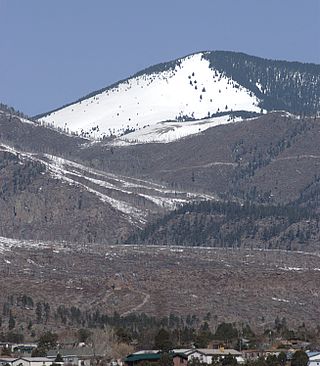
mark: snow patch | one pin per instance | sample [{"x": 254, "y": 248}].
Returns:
[
  {"x": 280, "y": 300},
  {"x": 165, "y": 132},
  {"x": 298, "y": 269}
]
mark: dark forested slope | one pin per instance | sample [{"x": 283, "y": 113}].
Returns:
[
  {"x": 227, "y": 224},
  {"x": 282, "y": 85}
]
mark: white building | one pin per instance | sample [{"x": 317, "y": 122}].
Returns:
[
  {"x": 32, "y": 361},
  {"x": 206, "y": 354},
  {"x": 314, "y": 358}
]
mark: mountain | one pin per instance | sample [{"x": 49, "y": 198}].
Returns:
[
  {"x": 268, "y": 160},
  {"x": 199, "y": 86},
  {"x": 47, "y": 191},
  {"x": 215, "y": 147}
]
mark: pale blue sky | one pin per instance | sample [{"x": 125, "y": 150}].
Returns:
[{"x": 55, "y": 51}]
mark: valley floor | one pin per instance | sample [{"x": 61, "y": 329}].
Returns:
[{"x": 253, "y": 286}]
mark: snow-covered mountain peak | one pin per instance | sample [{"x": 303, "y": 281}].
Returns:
[{"x": 188, "y": 89}]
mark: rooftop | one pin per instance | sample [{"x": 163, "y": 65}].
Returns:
[
  {"x": 313, "y": 354},
  {"x": 7, "y": 359},
  {"x": 150, "y": 355},
  {"x": 218, "y": 351},
  {"x": 80, "y": 352},
  {"x": 142, "y": 357},
  {"x": 36, "y": 359}
]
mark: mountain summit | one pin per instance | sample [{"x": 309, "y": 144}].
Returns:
[{"x": 198, "y": 86}]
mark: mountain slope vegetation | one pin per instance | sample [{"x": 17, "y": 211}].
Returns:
[
  {"x": 281, "y": 85},
  {"x": 234, "y": 225}
]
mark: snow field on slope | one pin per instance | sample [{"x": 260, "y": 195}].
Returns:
[
  {"x": 192, "y": 89},
  {"x": 103, "y": 185},
  {"x": 165, "y": 132},
  {"x": 7, "y": 244},
  {"x": 160, "y": 195}
]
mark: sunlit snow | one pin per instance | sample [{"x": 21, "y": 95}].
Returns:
[
  {"x": 169, "y": 131},
  {"x": 191, "y": 90}
]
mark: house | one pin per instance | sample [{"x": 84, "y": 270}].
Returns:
[
  {"x": 23, "y": 349},
  {"x": 32, "y": 361},
  {"x": 190, "y": 353},
  {"x": 314, "y": 358},
  {"x": 154, "y": 356},
  {"x": 81, "y": 356},
  {"x": 7, "y": 361},
  {"x": 207, "y": 355},
  {"x": 134, "y": 359}
]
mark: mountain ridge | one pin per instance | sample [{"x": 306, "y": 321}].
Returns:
[{"x": 149, "y": 68}]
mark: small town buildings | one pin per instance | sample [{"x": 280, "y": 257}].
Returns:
[{"x": 182, "y": 356}]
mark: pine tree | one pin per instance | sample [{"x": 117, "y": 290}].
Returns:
[{"x": 12, "y": 322}]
